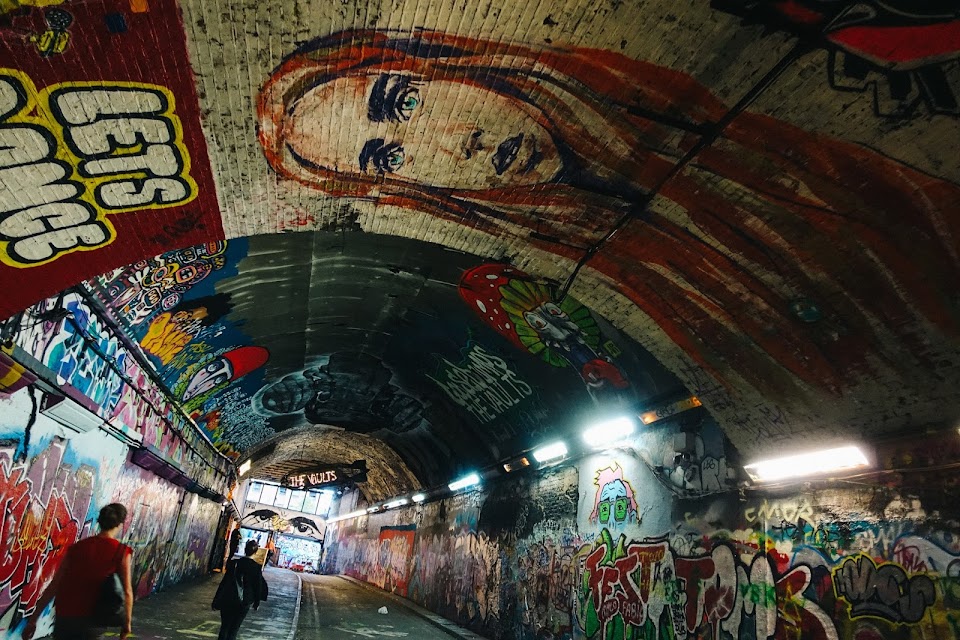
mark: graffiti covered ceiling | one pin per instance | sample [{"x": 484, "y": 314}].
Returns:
[{"x": 511, "y": 215}]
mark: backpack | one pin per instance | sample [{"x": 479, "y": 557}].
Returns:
[
  {"x": 108, "y": 610},
  {"x": 230, "y": 592}
]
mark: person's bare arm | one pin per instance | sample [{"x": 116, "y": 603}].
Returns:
[
  {"x": 48, "y": 594},
  {"x": 126, "y": 578}
]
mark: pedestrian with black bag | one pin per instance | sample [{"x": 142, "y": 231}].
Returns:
[
  {"x": 92, "y": 589},
  {"x": 242, "y": 587}
]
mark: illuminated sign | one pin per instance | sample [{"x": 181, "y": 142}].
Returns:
[
  {"x": 310, "y": 480},
  {"x": 327, "y": 476}
]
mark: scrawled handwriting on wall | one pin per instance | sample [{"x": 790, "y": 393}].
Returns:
[
  {"x": 77, "y": 152},
  {"x": 482, "y": 383}
]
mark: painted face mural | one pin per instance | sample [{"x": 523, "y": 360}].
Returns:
[
  {"x": 615, "y": 504},
  {"x": 607, "y": 130},
  {"x": 415, "y": 130},
  {"x": 562, "y": 332}
]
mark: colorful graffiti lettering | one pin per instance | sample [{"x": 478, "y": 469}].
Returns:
[
  {"x": 75, "y": 163},
  {"x": 882, "y": 590},
  {"x": 41, "y": 514},
  {"x": 644, "y": 586}
]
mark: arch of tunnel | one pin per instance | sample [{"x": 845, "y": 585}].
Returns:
[{"x": 244, "y": 241}]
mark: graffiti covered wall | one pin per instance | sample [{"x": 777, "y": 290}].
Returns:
[
  {"x": 53, "y": 482},
  {"x": 622, "y": 555}
]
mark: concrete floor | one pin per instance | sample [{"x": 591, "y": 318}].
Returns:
[{"x": 330, "y": 609}]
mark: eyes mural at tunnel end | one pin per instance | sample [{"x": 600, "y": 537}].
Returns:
[{"x": 95, "y": 153}]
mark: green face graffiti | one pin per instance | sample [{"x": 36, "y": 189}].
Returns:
[{"x": 620, "y": 508}]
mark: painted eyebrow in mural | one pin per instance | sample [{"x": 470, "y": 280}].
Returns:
[{"x": 392, "y": 98}]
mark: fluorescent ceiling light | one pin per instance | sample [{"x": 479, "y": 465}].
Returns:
[
  {"x": 372, "y": 509},
  {"x": 420, "y": 497},
  {"x": 608, "y": 432},
  {"x": 464, "y": 482},
  {"x": 395, "y": 504},
  {"x": 354, "y": 514},
  {"x": 550, "y": 452},
  {"x": 807, "y": 464},
  {"x": 245, "y": 467}
]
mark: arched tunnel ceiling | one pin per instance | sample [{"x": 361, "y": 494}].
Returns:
[
  {"x": 760, "y": 195},
  {"x": 430, "y": 350}
]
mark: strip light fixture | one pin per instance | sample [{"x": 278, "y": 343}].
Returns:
[
  {"x": 420, "y": 497},
  {"x": 464, "y": 482},
  {"x": 551, "y": 451},
  {"x": 609, "y": 431},
  {"x": 813, "y": 463}
]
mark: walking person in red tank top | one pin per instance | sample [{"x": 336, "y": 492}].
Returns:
[{"x": 77, "y": 582}]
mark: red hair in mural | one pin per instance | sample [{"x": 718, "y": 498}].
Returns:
[{"x": 807, "y": 251}]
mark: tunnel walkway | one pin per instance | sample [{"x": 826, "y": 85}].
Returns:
[{"x": 328, "y": 608}]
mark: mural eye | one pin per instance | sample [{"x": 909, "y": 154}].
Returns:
[
  {"x": 407, "y": 103},
  {"x": 620, "y": 510},
  {"x": 554, "y": 310},
  {"x": 389, "y": 158},
  {"x": 604, "y": 512}
]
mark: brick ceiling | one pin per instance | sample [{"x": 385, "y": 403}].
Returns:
[{"x": 459, "y": 229}]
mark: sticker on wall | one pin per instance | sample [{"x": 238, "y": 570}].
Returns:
[{"x": 104, "y": 163}]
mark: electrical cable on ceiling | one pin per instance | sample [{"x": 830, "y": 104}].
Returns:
[{"x": 709, "y": 136}]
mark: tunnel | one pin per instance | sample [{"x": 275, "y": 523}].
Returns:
[{"x": 613, "y": 320}]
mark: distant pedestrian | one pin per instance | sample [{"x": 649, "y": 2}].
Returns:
[
  {"x": 242, "y": 586},
  {"x": 234, "y": 543},
  {"x": 271, "y": 552},
  {"x": 79, "y": 581}
]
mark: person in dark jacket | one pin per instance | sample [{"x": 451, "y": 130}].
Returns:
[
  {"x": 234, "y": 543},
  {"x": 242, "y": 586}
]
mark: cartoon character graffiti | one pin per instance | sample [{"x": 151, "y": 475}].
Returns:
[
  {"x": 173, "y": 330},
  {"x": 561, "y": 332},
  {"x": 561, "y": 146},
  {"x": 205, "y": 378},
  {"x": 139, "y": 291},
  {"x": 615, "y": 504},
  {"x": 897, "y": 49}
]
